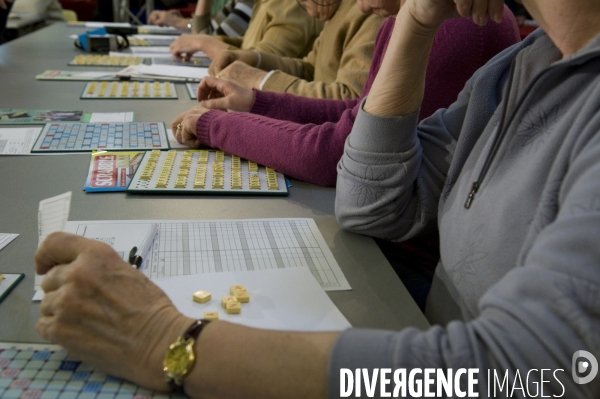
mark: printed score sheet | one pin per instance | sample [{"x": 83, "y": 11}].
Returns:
[
  {"x": 213, "y": 246},
  {"x": 284, "y": 263}
]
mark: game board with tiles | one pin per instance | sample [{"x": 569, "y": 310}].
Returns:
[
  {"x": 35, "y": 371},
  {"x": 106, "y": 60},
  {"x": 66, "y": 137},
  {"x": 129, "y": 90},
  {"x": 204, "y": 172}
]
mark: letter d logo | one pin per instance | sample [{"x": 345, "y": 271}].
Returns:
[{"x": 581, "y": 367}]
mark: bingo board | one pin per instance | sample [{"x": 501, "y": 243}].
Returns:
[
  {"x": 106, "y": 60},
  {"x": 204, "y": 172},
  {"x": 37, "y": 371},
  {"x": 65, "y": 137},
  {"x": 129, "y": 90}
]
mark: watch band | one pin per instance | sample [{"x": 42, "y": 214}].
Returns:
[
  {"x": 195, "y": 329},
  {"x": 192, "y": 333}
]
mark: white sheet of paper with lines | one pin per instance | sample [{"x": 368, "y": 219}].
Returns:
[{"x": 213, "y": 246}]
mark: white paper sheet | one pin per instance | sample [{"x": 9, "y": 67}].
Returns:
[
  {"x": 18, "y": 141},
  {"x": 203, "y": 247},
  {"x": 122, "y": 240},
  {"x": 216, "y": 246},
  {"x": 111, "y": 117},
  {"x": 174, "y": 71},
  {"x": 280, "y": 299}
]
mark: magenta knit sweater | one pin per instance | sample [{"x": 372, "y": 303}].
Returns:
[{"x": 304, "y": 137}]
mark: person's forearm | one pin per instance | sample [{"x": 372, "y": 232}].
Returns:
[
  {"x": 399, "y": 86},
  {"x": 235, "y": 361},
  {"x": 202, "y": 7},
  {"x": 316, "y": 148}
]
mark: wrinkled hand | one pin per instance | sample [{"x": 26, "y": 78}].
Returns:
[
  {"x": 431, "y": 13},
  {"x": 103, "y": 311},
  {"x": 216, "y": 93},
  {"x": 184, "y": 126},
  {"x": 164, "y": 18},
  {"x": 186, "y": 45},
  {"x": 243, "y": 74},
  {"x": 228, "y": 57}
]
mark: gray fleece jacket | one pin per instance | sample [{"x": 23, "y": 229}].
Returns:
[{"x": 521, "y": 264}]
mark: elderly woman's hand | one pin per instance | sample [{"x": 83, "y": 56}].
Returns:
[
  {"x": 184, "y": 126},
  {"x": 104, "y": 311},
  {"x": 166, "y": 18},
  {"x": 228, "y": 57},
  {"x": 243, "y": 74},
  {"x": 216, "y": 93},
  {"x": 186, "y": 45}
]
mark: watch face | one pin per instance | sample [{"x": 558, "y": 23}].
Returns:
[{"x": 179, "y": 359}]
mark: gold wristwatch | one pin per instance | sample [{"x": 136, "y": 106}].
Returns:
[{"x": 180, "y": 357}]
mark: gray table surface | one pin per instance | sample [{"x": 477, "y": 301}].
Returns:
[{"x": 377, "y": 299}]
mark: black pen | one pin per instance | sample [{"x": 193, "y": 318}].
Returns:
[{"x": 136, "y": 258}]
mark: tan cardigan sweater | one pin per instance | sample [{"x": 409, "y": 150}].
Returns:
[
  {"x": 338, "y": 65},
  {"x": 279, "y": 27}
]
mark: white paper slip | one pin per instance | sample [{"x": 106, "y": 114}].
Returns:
[
  {"x": 6, "y": 238},
  {"x": 280, "y": 299},
  {"x": 174, "y": 71},
  {"x": 145, "y": 72},
  {"x": 18, "y": 141},
  {"x": 111, "y": 117},
  {"x": 53, "y": 214}
]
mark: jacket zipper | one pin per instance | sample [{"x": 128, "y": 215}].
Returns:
[{"x": 502, "y": 129}]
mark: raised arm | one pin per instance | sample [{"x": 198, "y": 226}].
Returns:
[{"x": 391, "y": 176}]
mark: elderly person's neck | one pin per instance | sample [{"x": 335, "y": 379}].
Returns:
[{"x": 570, "y": 24}]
